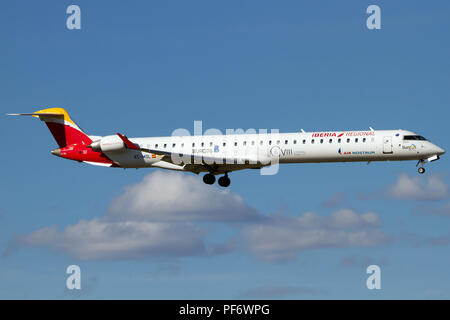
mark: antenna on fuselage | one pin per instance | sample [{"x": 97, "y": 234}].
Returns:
[
  {"x": 371, "y": 129},
  {"x": 303, "y": 131}
]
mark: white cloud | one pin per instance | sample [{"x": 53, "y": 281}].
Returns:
[
  {"x": 170, "y": 196},
  {"x": 156, "y": 218},
  {"x": 282, "y": 237},
  {"x": 151, "y": 219},
  {"x": 99, "y": 240},
  {"x": 343, "y": 218},
  {"x": 418, "y": 188}
]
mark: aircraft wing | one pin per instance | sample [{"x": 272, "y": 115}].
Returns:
[{"x": 197, "y": 162}]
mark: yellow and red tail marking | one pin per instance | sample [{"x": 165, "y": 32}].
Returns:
[
  {"x": 71, "y": 139},
  {"x": 63, "y": 128}
]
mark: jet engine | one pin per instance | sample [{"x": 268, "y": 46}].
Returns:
[{"x": 108, "y": 144}]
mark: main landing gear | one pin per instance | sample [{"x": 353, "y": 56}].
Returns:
[
  {"x": 209, "y": 178},
  {"x": 224, "y": 181}
]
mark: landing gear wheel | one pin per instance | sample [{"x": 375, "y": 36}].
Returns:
[
  {"x": 209, "y": 178},
  {"x": 224, "y": 181},
  {"x": 421, "y": 170}
]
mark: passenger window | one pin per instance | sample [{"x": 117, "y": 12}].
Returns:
[
  {"x": 304, "y": 141},
  {"x": 295, "y": 141},
  {"x": 210, "y": 144},
  {"x": 270, "y": 142},
  {"x": 235, "y": 144},
  {"x": 364, "y": 139},
  {"x": 356, "y": 139},
  {"x": 173, "y": 145},
  {"x": 224, "y": 144},
  {"x": 245, "y": 143},
  {"x": 261, "y": 142},
  {"x": 285, "y": 142},
  {"x": 278, "y": 141},
  {"x": 202, "y": 144},
  {"x": 253, "y": 143},
  {"x": 165, "y": 145},
  {"x": 156, "y": 146},
  {"x": 182, "y": 145},
  {"x": 339, "y": 140},
  {"x": 331, "y": 140},
  {"x": 321, "y": 140},
  {"x": 193, "y": 144},
  {"x": 312, "y": 141},
  {"x": 348, "y": 140}
]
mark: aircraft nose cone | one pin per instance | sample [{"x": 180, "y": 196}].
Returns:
[
  {"x": 56, "y": 152},
  {"x": 440, "y": 151}
]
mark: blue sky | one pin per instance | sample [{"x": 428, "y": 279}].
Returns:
[{"x": 146, "y": 68}]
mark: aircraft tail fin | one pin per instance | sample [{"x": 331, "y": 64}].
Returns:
[{"x": 63, "y": 128}]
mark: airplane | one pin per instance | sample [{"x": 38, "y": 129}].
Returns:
[{"x": 222, "y": 154}]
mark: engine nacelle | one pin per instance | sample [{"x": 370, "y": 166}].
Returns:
[{"x": 109, "y": 144}]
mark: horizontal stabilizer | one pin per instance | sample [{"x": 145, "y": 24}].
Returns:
[{"x": 36, "y": 114}]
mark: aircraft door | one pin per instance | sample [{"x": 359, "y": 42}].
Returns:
[{"x": 387, "y": 144}]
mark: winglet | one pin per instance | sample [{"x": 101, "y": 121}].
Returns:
[{"x": 128, "y": 143}]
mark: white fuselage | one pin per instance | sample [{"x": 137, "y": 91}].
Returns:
[{"x": 297, "y": 147}]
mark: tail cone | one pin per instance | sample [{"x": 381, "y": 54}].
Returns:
[{"x": 56, "y": 152}]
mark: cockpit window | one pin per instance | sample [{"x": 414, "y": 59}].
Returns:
[{"x": 414, "y": 138}]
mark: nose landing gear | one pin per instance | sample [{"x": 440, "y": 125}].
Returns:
[
  {"x": 421, "y": 162},
  {"x": 421, "y": 169}
]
